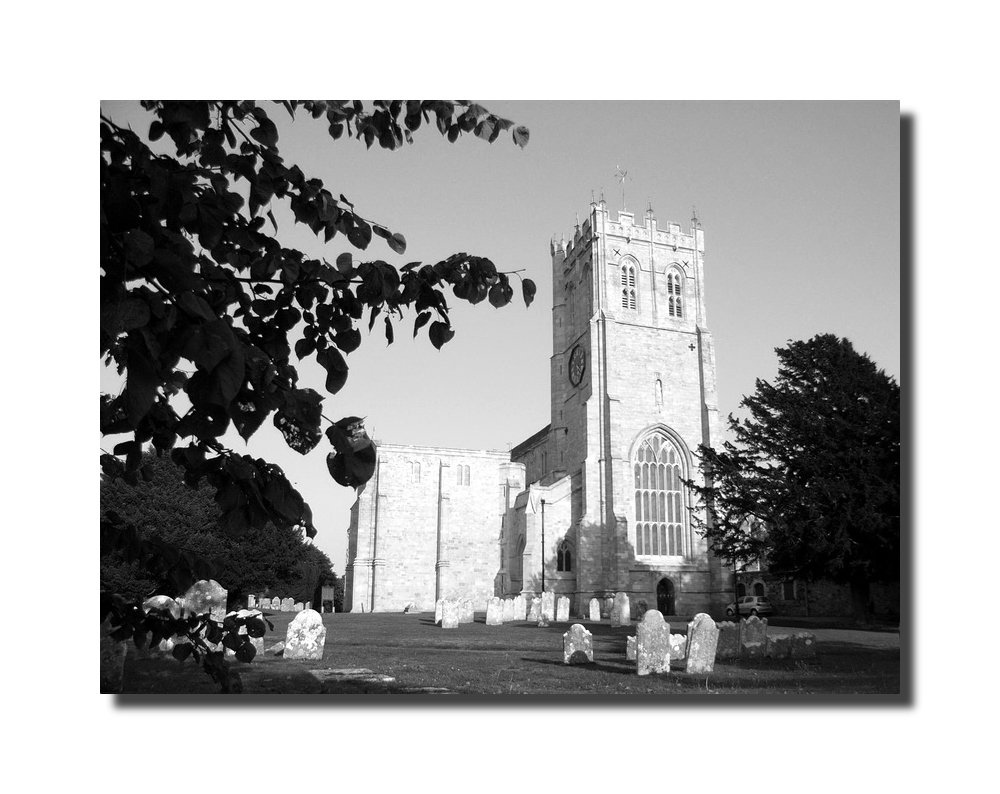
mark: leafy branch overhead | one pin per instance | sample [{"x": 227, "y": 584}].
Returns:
[{"x": 199, "y": 297}]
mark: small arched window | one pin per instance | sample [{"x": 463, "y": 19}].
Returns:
[
  {"x": 675, "y": 291},
  {"x": 564, "y": 557},
  {"x": 461, "y": 475},
  {"x": 629, "y": 300},
  {"x": 414, "y": 471}
]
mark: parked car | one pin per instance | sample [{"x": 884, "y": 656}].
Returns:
[{"x": 751, "y": 605}]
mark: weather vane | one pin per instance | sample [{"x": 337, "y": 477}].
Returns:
[{"x": 621, "y": 176}]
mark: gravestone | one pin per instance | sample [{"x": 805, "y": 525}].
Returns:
[
  {"x": 162, "y": 602},
  {"x": 206, "y": 596},
  {"x": 535, "y": 613},
  {"x": 607, "y": 606},
  {"x": 520, "y": 608},
  {"x": 548, "y": 605},
  {"x": 753, "y": 637},
  {"x": 595, "y": 610},
  {"x": 507, "y": 608},
  {"x": 803, "y": 644},
  {"x": 287, "y": 605},
  {"x": 703, "y": 640},
  {"x": 306, "y": 636},
  {"x": 578, "y": 646},
  {"x": 257, "y": 642},
  {"x": 438, "y": 611},
  {"x": 251, "y": 602},
  {"x": 494, "y": 612},
  {"x": 729, "y": 640},
  {"x": 630, "y": 649},
  {"x": 678, "y": 646},
  {"x": 450, "y": 612},
  {"x": 276, "y": 603},
  {"x": 112, "y": 661},
  {"x": 466, "y": 612},
  {"x": 640, "y": 608},
  {"x": 562, "y": 609},
  {"x": 652, "y": 644},
  {"x": 779, "y": 646},
  {"x": 620, "y": 615},
  {"x": 297, "y": 606}
]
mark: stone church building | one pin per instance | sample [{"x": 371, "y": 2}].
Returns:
[{"x": 593, "y": 503}]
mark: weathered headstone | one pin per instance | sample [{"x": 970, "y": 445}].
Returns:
[
  {"x": 535, "y": 613},
  {"x": 112, "y": 661},
  {"x": 507, "y": 609},
  {"x": 494, "y": 612},
  {"x": 803, "y": 644},
  {"x": 595, "y": 610},
  {"x": 466, "y": 612},
  {"x": 520, "y": 608},
  {"x": 753, "y": 637},
  {"x": 678, "y": 646},
  {"x": 620, "y": 615},
  {"x": 779, "y": 646},
  {"x": 287, "y": 605},
  {"x": 652, "y": 644},
  {"x": 630, "y": 649},
  {"x": 438, "y": 611},
  {"x": 548, "y": 605},
  {"x": 578, "y": 646},
  {"x": 162, "y": 602},
  {"x": 607, "y": 607},
  {"x": 703, "y": 640},
  {"x": 562, "y": 609},
  {"x": 450, "y": 613},
  {"x": 257, "y": 642},
  {"x": 206, "y": 596},
  {"x": 297, "y": 606},
  {"x": 251, "y": 602},
  {"x": 276, "y": 603},
  {"x": 306, "y": 636},
  {"x": 729, "y": 640}
]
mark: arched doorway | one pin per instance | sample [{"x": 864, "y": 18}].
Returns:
[{"x": 665, "y": 597}]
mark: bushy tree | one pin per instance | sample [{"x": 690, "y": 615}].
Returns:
[
  {"x": 810, "y": 485},
  {"x": 199, "y": 297}
]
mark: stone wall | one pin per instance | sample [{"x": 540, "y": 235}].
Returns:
[{"x": 796, "y": 597}]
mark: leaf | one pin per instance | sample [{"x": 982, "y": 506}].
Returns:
[
  {"x": 420, "y": 322},
  {"x": 520, "y": 136},
  {"x": 440, "y": 333},
  {"x": 528, "y": 291},
  {"x": 501, "y": 294},
  {"x": 360, "y": 235},
  {"x": 345, "y": 263},
  {"x": 182, "y": 651},
  {"x": 336, "y": 368},
  {"x": 246, "y": 652}
]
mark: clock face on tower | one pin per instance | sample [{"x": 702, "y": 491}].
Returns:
[{"x": 577, "y": 365}]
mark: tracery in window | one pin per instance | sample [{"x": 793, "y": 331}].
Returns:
[
  {"x": 564, "y": 557},
  {"x": 629, "y": 300},
  {"x": 661, "y": 526},
  {"x": 675, "y": 291}
]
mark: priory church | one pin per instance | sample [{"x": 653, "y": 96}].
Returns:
[{"x": 595, "y": 502}]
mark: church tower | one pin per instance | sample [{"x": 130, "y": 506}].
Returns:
[{"x": 633, "y": 395}]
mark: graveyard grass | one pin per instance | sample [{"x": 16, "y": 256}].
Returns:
[{"x": 517, "y": 658}]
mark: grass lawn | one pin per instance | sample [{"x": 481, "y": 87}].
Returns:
[{"x": 517, "y": 659}]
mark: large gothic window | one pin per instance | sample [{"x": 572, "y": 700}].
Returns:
[
  {"x": 660, "y": 515},
  {"x": 628, "y": 287}
]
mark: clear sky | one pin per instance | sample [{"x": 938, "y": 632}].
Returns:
[{"x": 799, "y": 202}]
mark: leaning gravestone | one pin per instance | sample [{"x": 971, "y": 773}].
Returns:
[
  {"x": 703, "y": 640},
  {"x": 652, "y": 644},
  {"x": 803, "y": 644},
  {"x": 494, "y": 612},
  {"x": 630, "y": 649},
  {"x": 562, "y": 609},
  {"x": 535, "y": 613},
  {"x": 306, "y": 636},
  {"x": 507, "y": 610},
  {"x": 729, "y": 640},
  {"x": 206, "y": 596},
  {"x": 578, "y": 646},
  {"x": 779, "y": 646},
  {"x": 287, "y": 605},
  {"x": 548, "y": 605},
  {"x": 595, "y": 610},
  {"x": 620, "y": 615},
  {"x": 520, "y": 608},
  {"x": 450, "y": 611},
  {"x": 753, "y": 637}
]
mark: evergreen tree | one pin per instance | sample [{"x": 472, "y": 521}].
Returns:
[{"x": 811, "y": 483}]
